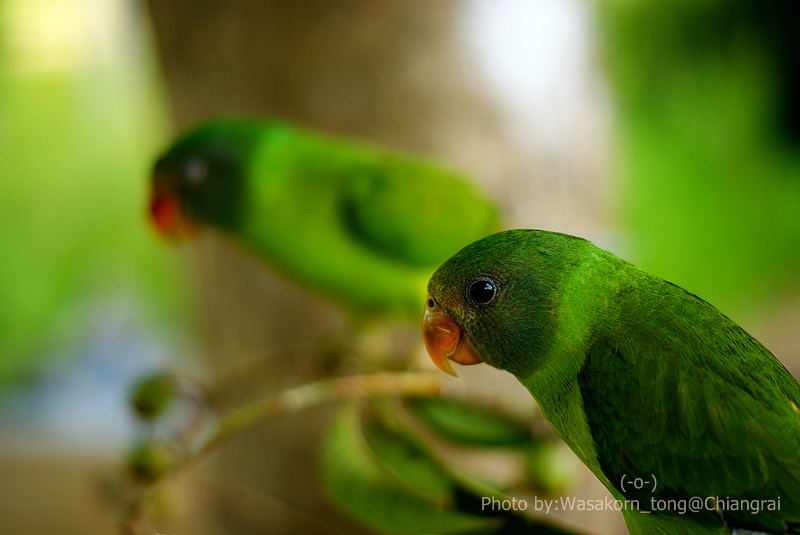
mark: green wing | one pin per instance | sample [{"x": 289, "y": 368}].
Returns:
[
  {"x": 417, "y": 213},
  {"x": 687, "y": 396},
  {"x": 358, "y": 224}
]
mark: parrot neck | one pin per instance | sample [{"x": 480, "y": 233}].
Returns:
[{"x": 585, "y": 305}]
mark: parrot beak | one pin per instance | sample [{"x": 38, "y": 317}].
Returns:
[
  {"x": 168, "y": 217},
  {"x": 444, "y": 341}
]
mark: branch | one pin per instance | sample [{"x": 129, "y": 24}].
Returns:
[{"x": 412, "y": 384}]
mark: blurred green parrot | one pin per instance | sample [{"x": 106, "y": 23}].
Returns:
[
  {"x": 357, "y": 224},
  {"x": 643, "y": 380}
]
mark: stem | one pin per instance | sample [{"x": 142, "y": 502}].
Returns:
[{"x": 296, "y": 399}]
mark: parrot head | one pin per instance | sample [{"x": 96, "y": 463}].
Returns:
[
  {"x": 495, "y": 300},
  {"x": 201, "y": 179}
]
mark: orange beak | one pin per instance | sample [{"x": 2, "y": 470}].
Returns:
[
  {"x": 168, "y": 217},
  {"x": 444, "y": 341}
]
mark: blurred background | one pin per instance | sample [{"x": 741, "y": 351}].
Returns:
[{"x": 668, "y": 133}]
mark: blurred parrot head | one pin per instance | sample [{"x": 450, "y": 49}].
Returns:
[{"x": 201, "y": 179}]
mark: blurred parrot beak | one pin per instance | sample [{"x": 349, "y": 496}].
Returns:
[
  {"x": 444, "y": 341},
  {"x": 167, "y": 215}
]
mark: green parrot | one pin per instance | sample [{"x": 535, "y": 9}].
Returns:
[
  {"x": 359, "y": 225},
  {"x": 663, "y": 397}
]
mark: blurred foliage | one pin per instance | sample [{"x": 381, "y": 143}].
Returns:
[
  {"x": 385, "y": 475},
  {"x": 81, "y": 118},
  {"x": 385, "y": 459},
  {"x": 390, "y": 481},
  {"x": 471, "y": 425},
  {"x": 707, "y": 99}
]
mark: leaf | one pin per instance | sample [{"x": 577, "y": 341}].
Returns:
[
  {"x": 364, "y": 478},
  {"x": 408, "y": 462},
  {"x": 470, "y": 424}
]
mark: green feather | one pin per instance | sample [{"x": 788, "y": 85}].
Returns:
[
  {"x": 355, "y": 223},
  {"x": 640, "y": 377}
]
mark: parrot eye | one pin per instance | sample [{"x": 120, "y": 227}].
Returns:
[
  {"x": 481, "y": 291},
  {"x": 195, "y": 171}
]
